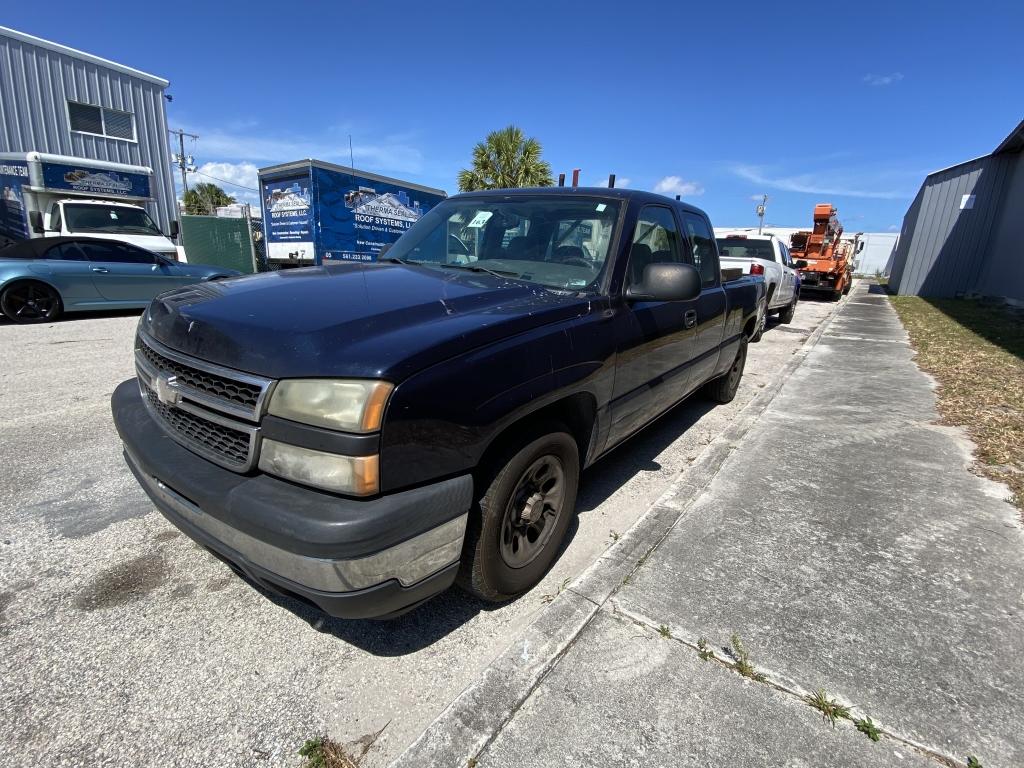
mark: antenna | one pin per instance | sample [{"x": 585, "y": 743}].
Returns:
[
  {"x": 575, "y": 177},
  {"x": 561, "y": 179},
  {"x": 611, "y": 181},
  {"x": 351, "y": 157}
]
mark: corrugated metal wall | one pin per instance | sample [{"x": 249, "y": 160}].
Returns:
[
  {"x": 35, "y": 86},
  {"x": 942, "y": 248},
  {"x": 1003, "y": 274}
]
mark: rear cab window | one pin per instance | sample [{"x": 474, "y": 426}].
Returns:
[{"x": 704, "y": 251}]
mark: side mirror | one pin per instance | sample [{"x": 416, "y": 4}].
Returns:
[
  {"x": 667, "y": 282},
  {"x": 175, "y": 229},
  {"x": 800, "y": 264},
  {"x": 36, "y": 219}
]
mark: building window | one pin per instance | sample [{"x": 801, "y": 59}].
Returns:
[{"x": 102, "y": 121}]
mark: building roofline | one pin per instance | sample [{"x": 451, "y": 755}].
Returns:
[
  {"x": 1014, "y": 142},
  {"x": 75, "y": 53},
  {"x": 297, "y": 165}
]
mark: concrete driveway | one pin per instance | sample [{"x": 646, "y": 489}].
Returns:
[{"x": 126, "y": 644}]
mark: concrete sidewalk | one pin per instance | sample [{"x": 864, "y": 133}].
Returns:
[{"x": 841, "y": 535}]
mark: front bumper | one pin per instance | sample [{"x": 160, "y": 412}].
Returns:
[{"x": 350, "y": 558}]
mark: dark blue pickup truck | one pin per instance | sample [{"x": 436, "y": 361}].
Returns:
[{"x": 361, "y": 436}]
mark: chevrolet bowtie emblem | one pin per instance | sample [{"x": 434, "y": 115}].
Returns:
[{"x": 167, "y": 389}]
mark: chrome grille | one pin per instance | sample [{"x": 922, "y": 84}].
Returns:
[
  {"x": 239, "y": 392},
  {"x": 225, "y": 445},
  {"x": 211, "y": 410}
]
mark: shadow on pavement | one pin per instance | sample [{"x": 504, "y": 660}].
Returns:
[{"x": 998, "y": 324}]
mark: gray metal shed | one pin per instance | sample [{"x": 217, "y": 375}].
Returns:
[
  {"x": 56, "y": 100},
  {"x": 964, "y": 233}
]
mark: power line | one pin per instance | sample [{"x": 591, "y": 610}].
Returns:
[{"x": 225, "y": 181}]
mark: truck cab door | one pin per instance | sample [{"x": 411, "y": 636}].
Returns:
[
  {"x": 654, "y": 339},
  {"x": 788, "y": 286},
  {"x": 711, "y": 304}
]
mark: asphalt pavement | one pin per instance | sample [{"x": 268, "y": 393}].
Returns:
[{"x": 834, "y": 538}]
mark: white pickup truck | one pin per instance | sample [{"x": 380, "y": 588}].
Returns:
[{"x": 764, "y": 255}]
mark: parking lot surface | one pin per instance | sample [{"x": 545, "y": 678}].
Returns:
[{"x": 124, "y": 643}]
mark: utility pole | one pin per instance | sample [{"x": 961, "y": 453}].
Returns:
[
  {"x": 183, "y": 161},
  {"x": 760, "y": 213}
]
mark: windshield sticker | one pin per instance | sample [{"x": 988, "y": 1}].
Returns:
[
  {"x": 601, "y": 207},
  {"x": 480, "y": 219}
]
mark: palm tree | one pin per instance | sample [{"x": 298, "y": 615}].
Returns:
[
  {"x": 506, "y": 159},
  {"x": 204, "y": 199}
]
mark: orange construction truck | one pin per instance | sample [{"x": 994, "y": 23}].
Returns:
[{"x": 827, "y": 266}]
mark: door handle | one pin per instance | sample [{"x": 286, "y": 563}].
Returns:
[
  {"x": 100, "y": 269},
  {"x": 690, "y": 318}
]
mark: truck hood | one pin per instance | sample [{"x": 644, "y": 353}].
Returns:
[{"x": 357, "y": 320}]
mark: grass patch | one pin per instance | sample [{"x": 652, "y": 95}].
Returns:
[
  {"x": 976, "y": 353},
  {"x": 703, "y": 650},
  {"x": 831, "y": 710},
  {"x": 868, "y": 728},
  {"x": 741, "y": 658},
  {"x": 325, "y": 752},
  {"x": 664, "y": 631}
]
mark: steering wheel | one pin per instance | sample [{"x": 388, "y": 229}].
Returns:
[{"x": 576, "y": 261}]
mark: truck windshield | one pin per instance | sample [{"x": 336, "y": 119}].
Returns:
[
  {"x": 109, "y": 218},
  {"x": 553, "y": 241},
  {"x": 742, "y": 248}
]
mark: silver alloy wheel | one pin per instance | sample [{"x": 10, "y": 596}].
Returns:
[{"x": 532, "y": 511}]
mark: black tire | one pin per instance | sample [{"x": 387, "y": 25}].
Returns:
[
  {"x": 786, "y": 315},
  {"x": 723, "y": 389},
  {"x": 836, "y": 295},
  {"x": 847, "y": 287},
  {"x": 30, "y": 302},
  {"x": 521, "y": 492}
]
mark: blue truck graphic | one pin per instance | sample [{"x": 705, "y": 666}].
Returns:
[{"x": 315, "y": 212}]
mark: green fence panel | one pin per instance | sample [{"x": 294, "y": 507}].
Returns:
[{"x": 218, "y": 242}]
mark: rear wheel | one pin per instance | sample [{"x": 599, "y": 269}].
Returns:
[
  {"x": 786, "y": 315},
  {"x": 522, "y": 516},
  {"x": 836, "y": 295},
  {"x": 30, "y": 302},
  {"x": 723, "y": 389}
]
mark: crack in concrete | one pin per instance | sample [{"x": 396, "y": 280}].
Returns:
[{"x": 775, "y": 680}]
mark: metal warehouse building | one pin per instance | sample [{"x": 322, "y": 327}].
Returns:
[
  {"x": 56, "y": 100},
  {"x": 964, "y": 233}
]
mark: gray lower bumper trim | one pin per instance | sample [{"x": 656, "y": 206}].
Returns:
[{"x": 408, "y": 562}]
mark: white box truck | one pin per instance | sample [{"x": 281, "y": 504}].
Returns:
[{"x": 44, "y": 195}]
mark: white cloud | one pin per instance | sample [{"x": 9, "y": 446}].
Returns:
[
  {"x": 871, "y": 79},
  {"x": 812, "y": 183},
  {"x": 757, "y": 198},
  {"x": 675, "y": 185},
  {"x": 620, "y": 181},
  {"x": 240, "y": 180},
  {"x": 894, "y": 227}
]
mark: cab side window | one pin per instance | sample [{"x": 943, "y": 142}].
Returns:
[
  {"x": 655, "y": 241},
  {"x": 66, "y": 252},
  {"x": 704, "y": 250}
]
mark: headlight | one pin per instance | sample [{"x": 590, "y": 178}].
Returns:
[
  {"x": 356, "y": 475},
  {"x": 347, "y": 404}
]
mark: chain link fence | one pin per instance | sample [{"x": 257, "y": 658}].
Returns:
[{"x": 229, "y": 242}]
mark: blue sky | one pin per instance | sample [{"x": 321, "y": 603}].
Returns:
[{"x": 718, "y": 101}]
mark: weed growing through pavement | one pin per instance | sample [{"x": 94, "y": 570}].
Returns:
[
  {"x": 868, "y": 728},
  {"x": 973, "y": 762},
  {"x": 561, "y": 588},
  {"x": 703, "y": 651},
  {"x": 615, "y": 535},
  {"x": 324, "y": 752},
  {"x": 741, "y": 659},
  {"x": 664, "y": 631},
  {"x": 831, "y": 710}
]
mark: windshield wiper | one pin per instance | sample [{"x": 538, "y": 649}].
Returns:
[
  {"x": 396, "y": 260},
  {"x": 477, "y": 268}
]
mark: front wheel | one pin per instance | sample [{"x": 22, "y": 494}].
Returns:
[
  {"x": 723, "y": 389},
  {"x": 521, "y": 518},
  {"x": 30, "y": 302}
]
